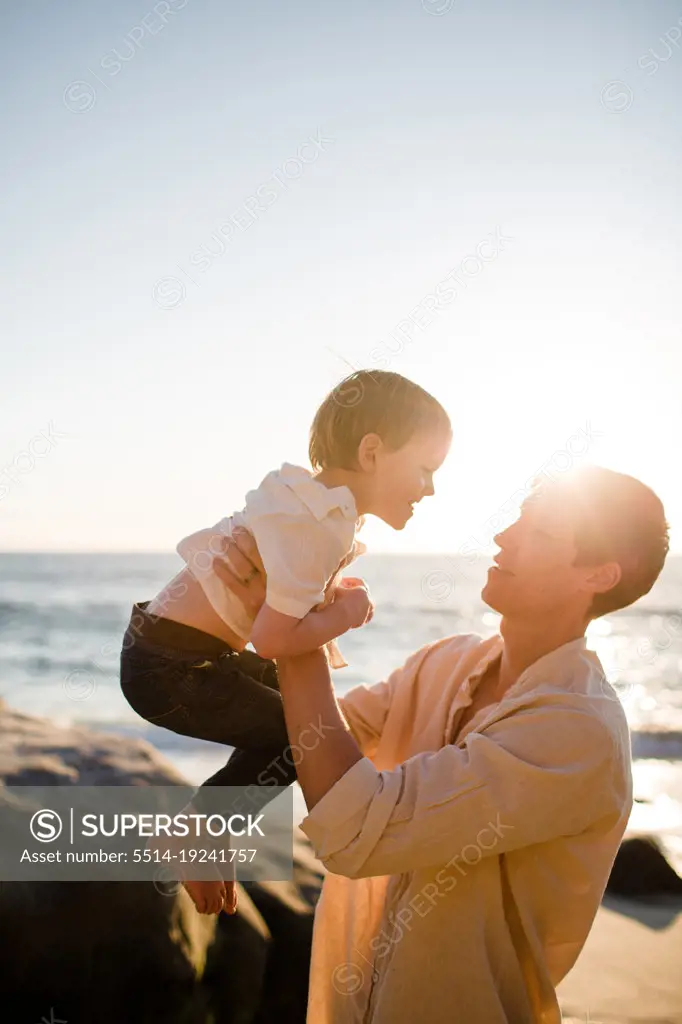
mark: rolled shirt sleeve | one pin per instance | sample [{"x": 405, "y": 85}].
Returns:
[{"x": 537, "y": 774}]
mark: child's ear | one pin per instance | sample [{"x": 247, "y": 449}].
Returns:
[{"x": 368, "y": 449}]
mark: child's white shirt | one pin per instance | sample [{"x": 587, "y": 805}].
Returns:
[{"x": 305, "y": 534}]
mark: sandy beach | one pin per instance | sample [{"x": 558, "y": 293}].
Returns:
[{"x": 630, "y": 971}]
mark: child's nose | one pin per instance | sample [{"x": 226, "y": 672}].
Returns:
[{"x": 505, "y": 535}]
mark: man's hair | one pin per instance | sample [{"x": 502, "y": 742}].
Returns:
[
  {"x": 371, "y": 402},
  {"x": 617, "y": 519}
]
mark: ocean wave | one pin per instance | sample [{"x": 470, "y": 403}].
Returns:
[
  {"x": 658, "y": 744},
  {"x": 15, "y": 607},
  {"x": 22, "y": 619}
]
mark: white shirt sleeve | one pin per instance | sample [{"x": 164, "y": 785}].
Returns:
[{"x": 300, "y": 554}]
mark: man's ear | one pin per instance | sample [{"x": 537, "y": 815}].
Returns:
[
  {"x": 368, "y": 449},
  {"x": 604, "y": 578}
]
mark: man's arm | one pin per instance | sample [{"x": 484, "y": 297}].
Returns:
[
  {"x": 543, "y": 772},
  {"x": 306, "y": 688}
]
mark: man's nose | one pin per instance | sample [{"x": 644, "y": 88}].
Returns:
[{"x": 428, "y": 490}]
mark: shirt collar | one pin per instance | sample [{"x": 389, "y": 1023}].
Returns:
[
  {"x": 573, "y": 647},
  {"x": 495, "y": 645},
  {"x": 544, "y": 669},
  {"x": 315, "y": 496},
  {"x": 491, "y": 650}
]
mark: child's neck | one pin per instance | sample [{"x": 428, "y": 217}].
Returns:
[{"x": 349, "y": 479}]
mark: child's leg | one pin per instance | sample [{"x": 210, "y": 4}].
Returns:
[
  {"x": 220, "y": 698},
  {"x": 260, "y": 771},
  {"x": 231, "y": 699},
  {"x": 267, "y": 765},
  {"x": 224, "y": 697}
]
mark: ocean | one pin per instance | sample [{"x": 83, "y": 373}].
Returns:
[{"x": 62, "y": 618}]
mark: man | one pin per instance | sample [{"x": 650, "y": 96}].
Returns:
[{"x": 470, "y": 807}]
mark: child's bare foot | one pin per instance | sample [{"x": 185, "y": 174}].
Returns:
[
  {"x": 208, "y": 895},
  {"x": 211, "y": 896},
  {"x": 230, "y": 903}
]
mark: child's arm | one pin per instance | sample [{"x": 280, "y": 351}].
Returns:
[{"x": 275, "y": 635}]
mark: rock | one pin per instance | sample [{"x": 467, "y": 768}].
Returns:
[
  {"x": 640, "y": 870},
  {"x": 126, "y": 952},
  {"x": 36, "y": 752},
  {"x": 101, "y": 953},
  {"x": 237, "y": 964}
]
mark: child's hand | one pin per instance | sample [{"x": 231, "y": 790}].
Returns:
[{"x": 352, "y": 591}]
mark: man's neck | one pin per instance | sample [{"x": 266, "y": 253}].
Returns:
[{"x": 525, "y": 642}]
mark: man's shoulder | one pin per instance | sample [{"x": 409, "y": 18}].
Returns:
[
  {"x": 453, "y": 653},
  {"x": 576, "y": 680}
]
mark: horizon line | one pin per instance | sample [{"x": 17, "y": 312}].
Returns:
[{"x": 170, "y": 551}]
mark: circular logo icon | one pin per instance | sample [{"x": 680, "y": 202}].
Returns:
[
  {"x": 46, "y": 826},
  {"x": 347, "y": 978},
  {"x": 79, "y": 97},
  {"x": 168, "y": 292},
  {"x": 438, "y": 7},
  {"x": 437, "y": 585},
  {"x": 79, "y": 685},
  {"x": 617, "y": 97},
  {"x": 349, "y": 393},
  {"x": 165, "y": 883}
]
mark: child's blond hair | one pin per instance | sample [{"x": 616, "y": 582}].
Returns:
[{"x": 371, "y": 402}]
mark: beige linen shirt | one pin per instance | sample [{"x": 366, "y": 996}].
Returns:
[{"x": 467, "y": 867}]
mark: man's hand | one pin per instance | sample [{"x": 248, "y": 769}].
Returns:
[{"x": 241, "y": 569}]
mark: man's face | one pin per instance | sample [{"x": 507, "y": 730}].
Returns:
[{"x": 534, "y": 573}]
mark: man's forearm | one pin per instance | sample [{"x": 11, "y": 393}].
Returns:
[{"x": 306, "y": 688}]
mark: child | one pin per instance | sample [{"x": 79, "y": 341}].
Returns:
[{"x": 375, "y": 443}]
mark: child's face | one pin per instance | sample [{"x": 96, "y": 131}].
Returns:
[{"x": 401, "y": 478}]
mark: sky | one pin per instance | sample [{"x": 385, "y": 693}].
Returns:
[{"x": 212, "y": 212}]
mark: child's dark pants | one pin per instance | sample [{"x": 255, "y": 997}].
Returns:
[{"x": 188, "y": 681}]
